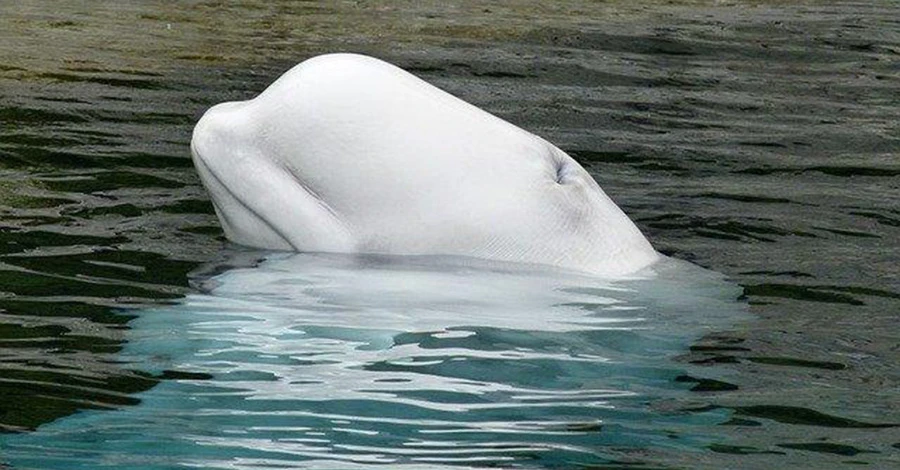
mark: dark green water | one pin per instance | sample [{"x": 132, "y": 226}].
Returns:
[{"x": 760, "y": 141}]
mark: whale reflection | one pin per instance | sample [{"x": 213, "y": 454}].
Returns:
[{"x": 337, "y": 361}]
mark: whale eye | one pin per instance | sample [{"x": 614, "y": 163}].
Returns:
[
  {"x": 564, "y": 169},
  {"x": 560, "y": 171},
  {"x": 560, "y": 165}
]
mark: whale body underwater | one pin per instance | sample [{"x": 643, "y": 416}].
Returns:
[{"x": 346, "y": 153}]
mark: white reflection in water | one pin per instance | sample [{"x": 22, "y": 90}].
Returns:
[{"x": 336, "y": 360}]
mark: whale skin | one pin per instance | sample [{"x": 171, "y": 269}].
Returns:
[{"x": 347, "y": 153}]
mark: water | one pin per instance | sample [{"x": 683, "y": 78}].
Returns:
[
  {"x": 757, "y": 140},
  {"x": 335, "y": 361}
]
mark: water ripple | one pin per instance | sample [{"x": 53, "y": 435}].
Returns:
[{"x": 471, "y": 362}]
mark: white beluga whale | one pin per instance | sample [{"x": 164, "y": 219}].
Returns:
[{"x": 349, "y": 154}]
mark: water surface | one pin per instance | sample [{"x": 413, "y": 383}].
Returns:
[{"x": 333, "y": 361}]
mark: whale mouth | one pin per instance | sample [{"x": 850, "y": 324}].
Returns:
[
  {"x": 260, "y": 201},
  {"x": 234, "y": 213}
]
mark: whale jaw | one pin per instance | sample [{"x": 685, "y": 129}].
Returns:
[
  {"x": 346, "y": 153},
  {"x": 259, "y": 202}
]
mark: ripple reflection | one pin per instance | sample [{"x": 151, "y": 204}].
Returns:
[{"x": 356, "y": 360}]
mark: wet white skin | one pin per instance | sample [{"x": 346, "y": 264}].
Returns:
[{"x": 347, "y": 153}]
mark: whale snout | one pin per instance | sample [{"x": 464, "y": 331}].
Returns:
[
  {"x": 218, "y": 125},
  {"x": 217, "y": 145}
]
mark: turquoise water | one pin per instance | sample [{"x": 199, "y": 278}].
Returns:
[
  {"x": 336, "y": 362},
  {"x": 759, "y": 140}
]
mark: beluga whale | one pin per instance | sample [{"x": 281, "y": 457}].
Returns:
[{"x": 346, "y": 153}]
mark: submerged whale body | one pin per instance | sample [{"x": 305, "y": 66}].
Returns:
[
  {"x": 349, "y": 154},
  {"x": 313, "y": 360}
]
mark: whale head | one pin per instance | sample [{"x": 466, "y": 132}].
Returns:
[{"x": 347, "y": 153}]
